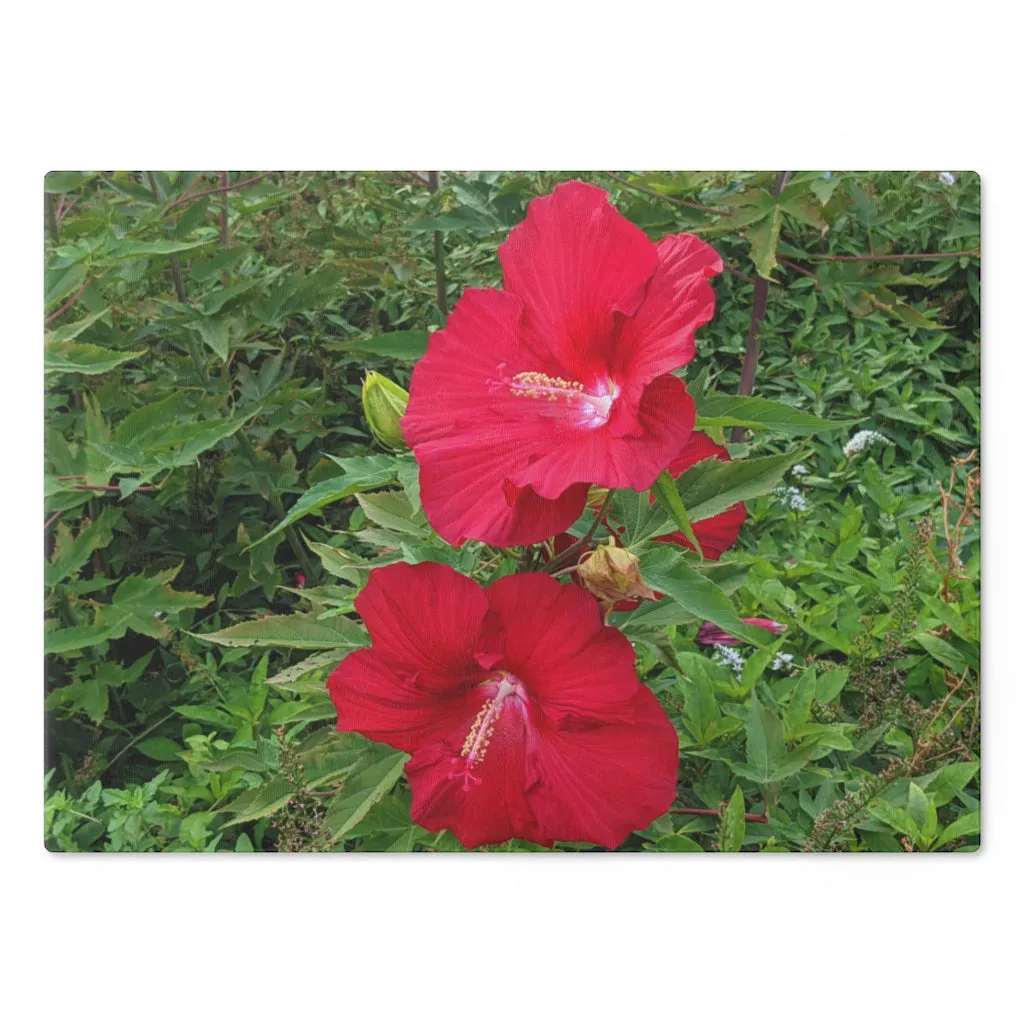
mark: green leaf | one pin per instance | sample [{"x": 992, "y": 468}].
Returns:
[
  {"x": 966, "y": 825},
  {"x": 665, "y": 489},
  {"x": 665, "y": 569},
  {"x": 75, "y": 638},
  {"x": 733, "y": 828},
  {"x": 718, "y": 410},
  {"x": 71, "y": 553},
  {"x": 764, "y": 237},
  {"x": 296, "y": 679},
  {"x": 711, "y": 487},
  {"x": 895, "y": 817},
  {"x": 77, "y": 357},
  {"x": 160, "y": 748},
  {"x": 376, "y": 775},
  {"x": 130, "y": 248},
  {"x": 951, "y": 781},
  {"x": 766, "y": 747},
  {"x": 677, "y": 844},
  {"x": 360, "y": 475},
  {"x": 402, "y": 346},
  {"x": 215, "y": 334},
  {"x": 296, "y": 631},
  {"x": 830, "y": 684},
  {"x": 57, "y": 182},
  {"x": 393, "y": 510},
  {"x": 68, "y": 332},
  {"x": 260, "y": 802},
  {"x": 942, "y": 651},
  {"x": 917, "y": 805}
]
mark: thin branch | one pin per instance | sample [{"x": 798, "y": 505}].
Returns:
[
  {"x": 669, "y": 199},
  {"x": 568, "y": 555},
  {"x": 70, "y": 302},
  {"x": 419, "y": 177},
  {"x": 798, "y": 269},
  {"x": 50, "y": 211},
  {"x": 49, "y": 522},
  {"x": 756, "y": 317},
  {"x": 224, "y": 209},
  {"x": 708, "y": 812},
  {"x": 896, "y": 257},
  {"x": 217, "y": 191},
  {"x": 107, "y": 487},
  {"x": 442, "y": 287}
]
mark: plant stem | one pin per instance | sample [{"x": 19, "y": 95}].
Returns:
[
  {"x": 216, "y": 191},
  {"x": 70, "y": 302},
  {"x": 567, "y": 556},
  {"x": 761, "y": 819},
  {"x": 442, "y": 286},
  {"x": 224, "y": 209},
  {"x": 179, "y": 286},
  {"x": 50, "y": 213},
  {"x": 756, "y": 317}
]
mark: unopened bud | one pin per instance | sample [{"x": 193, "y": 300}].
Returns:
[
  {"x": 710, "y": 635},
  {"x": 612, "y": 574},
  {"x": 384, "y": 405}
]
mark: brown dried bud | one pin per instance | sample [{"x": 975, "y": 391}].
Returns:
[{"x": 612, "y": 574}]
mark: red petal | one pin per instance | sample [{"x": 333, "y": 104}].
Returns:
[
  {"x": 466, "y": 493},
  {"x": 387, "y": 705},
  {"x": 648, "y": 441},
  {"x": 471, "y": 435},
  {"x": 600, "y": 784},
  {"x": 557, "y": 644},
  {"x": 658, "y": 338},
  {"x": 425, "y": 619},
  {"x": 719, "y": 533},
  {"x": 492, "y": 810},
  {"x": 575, "y": 261}
]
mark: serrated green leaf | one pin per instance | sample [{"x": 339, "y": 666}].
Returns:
[{"x": 296, "y": 631}]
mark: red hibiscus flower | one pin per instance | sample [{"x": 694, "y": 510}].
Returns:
[
  {"x": 522, "y": 711},
  {"x": 563, "y": 378}
]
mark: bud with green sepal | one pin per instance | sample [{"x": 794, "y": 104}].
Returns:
[{"x": 384, "y": 405}]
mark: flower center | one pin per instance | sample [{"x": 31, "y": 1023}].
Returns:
[
  {"x": 592, "y": 407},
  {"x": 474, "y": 748}
]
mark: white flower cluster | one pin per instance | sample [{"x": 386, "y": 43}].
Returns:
[
  {"x": 792, "y": 497},
  {"x": 799, "y": 470},
  {"x": 731, "y": 657},
  {"x": 781, "y": 661},
  {"x": 862, "y": 439},
  {"x": 947, "y": 178}
]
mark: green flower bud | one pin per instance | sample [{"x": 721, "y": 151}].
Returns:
[{"x": 384, "y": 405}]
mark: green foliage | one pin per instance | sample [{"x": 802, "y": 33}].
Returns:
[{"x": 215, "y": 499}]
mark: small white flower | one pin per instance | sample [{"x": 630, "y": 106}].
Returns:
[
  {"x": 792, "y": 497},
  {"x": 947, "y": 178},
  {"x": 862, "y": 439},
  {"x": 799, "y": 470},
  {"x": 781, "y": 661},
  {"x": 730, "y": 657}
]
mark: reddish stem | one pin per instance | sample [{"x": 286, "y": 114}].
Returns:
[
  {"x": 897, "y": 256},
  {"x": 216, "y": 191},
  {"x": 67, "y": 305},
  {"x": 107, "y": 487},
  {"x": 708, "y": 812}
]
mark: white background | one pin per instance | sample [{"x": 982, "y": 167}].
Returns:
[{"x": 519, "y": 85}]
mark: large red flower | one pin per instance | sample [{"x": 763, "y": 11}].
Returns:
[
  {"x": 522, "y": 711},
  {"x": 563, "y": 378}
]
